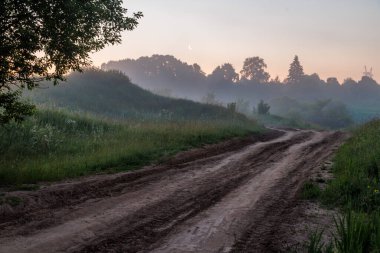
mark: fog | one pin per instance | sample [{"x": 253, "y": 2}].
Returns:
[{"x": 299, "y": 95}]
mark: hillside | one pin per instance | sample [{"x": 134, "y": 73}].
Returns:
[{"x": 111, "y": 94}]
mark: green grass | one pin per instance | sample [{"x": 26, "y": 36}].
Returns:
[
  {"x": 356, "y": 190},
  {"x": 357, "y": 168},
  {"x": 55, "y": 145},
  {"x": 310, "y": 191},
  {"x": 278, "y": 121},
  {"x": 315, "y": 244}
]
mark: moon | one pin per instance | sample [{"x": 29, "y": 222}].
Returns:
[{"x": 189, "y": 47}]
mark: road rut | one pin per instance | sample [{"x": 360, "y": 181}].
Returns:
[{"x": 223, "y": 198}]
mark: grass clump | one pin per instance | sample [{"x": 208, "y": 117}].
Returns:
[
  {"x": 55, "y": 145},
  {"x": 316, "y": 245},
  {"x": 310, "y": 191}
]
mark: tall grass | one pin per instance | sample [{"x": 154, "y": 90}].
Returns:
[
  {"x": 55, "y": 145},
  {"x": 356, "y": 189}
]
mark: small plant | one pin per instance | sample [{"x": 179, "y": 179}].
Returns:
[
  {"x": 353, "y": 233},
  {"x": 316, "y": 245},
  {"x": 310, "y": 191}
]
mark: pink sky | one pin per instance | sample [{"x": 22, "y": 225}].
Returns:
[{"x": 332, "y": 38}]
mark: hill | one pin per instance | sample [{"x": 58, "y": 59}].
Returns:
[{"x": 111, "y": 94}]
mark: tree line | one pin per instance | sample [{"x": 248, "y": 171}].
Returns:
[{"x": 169, "y": 76}]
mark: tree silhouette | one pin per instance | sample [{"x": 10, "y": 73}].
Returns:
[
  {"x": 254, "y": 70},
  {"x": 225, "y": 73},
  {"x": 332, "y": 81},
  {"x": 263, "y": 108},
  {"x": 44, "y": 40},
  {"x": 295, "y": 71}
]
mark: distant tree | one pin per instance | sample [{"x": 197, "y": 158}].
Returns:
[
  {"x": 332, "y": 81},
  {"x": 367, "y": 81},
  {"x": 349, "y": 82},
  {"x": 254, "y": 70},
  {"x": 263, "y": 108},
  {"x": 276, "y": 80},
  {"x": 197, "y": 69},
  {"x": 225, "y": 73},
  {"x": 295, "y": 71},
  {"x": 162, "y": 72},
  {"x": 44, "y": 40}
]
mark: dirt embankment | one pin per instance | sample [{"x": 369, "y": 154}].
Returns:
[{"x": 229, "y": 197}]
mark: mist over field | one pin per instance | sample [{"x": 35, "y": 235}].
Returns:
[{"x": 324, "y": 102}]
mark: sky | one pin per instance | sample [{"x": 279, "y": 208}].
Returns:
[{"x": 334, "y": 38}]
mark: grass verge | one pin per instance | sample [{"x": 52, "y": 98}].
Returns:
[
  {"x": 356, "y": 190},
  {"x": 55, "y": 145}
]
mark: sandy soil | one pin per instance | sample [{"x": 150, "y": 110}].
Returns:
[{"x": 237, "y": 196}]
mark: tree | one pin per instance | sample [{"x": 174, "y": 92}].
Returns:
[
  {"x": 263, "y": 108},
  {"x": 254, "y": 70},
  {"x": 333, "y": 81},
  {"x": 295, "y": 71},
  {"x": 224, "y": 73},
  {"x": 44, "y": 40}
]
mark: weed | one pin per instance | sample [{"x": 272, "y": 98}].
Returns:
[
  {"x": 310, "y": 191},
  {"x": 353, "y": 233}
]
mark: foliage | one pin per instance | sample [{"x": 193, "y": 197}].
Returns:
[
  {"x": 111, "y": 94},
  {"x": 12, "y": 109},
  {"x": 254, "y": 70},
  {"x": 325, "y": 113},
  {"x": 310, "y": 191},
  {"x": 356, "y": 189},
  {"x": 353, "y": 233},
  {"x": 357, "y": 168},
  {"x": 224, "y": 73},
  {"x": 263, "y": 108},
  {"x": 46, "y": 39},
  {"x": 295, "y": 72},
  {"x": 55, "y": 145},
  {"x": 315, "y": 244},
  {"x": 162, "y": 72},
  {"x": 166, "y": 72}
]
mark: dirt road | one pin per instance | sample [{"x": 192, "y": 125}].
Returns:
[{"x": 229, "y": 197}]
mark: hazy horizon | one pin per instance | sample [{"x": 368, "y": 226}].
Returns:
[{"x": 333, "y": 39}]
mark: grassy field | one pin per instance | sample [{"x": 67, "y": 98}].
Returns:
[
  {"x": 356, "y": 190},
  {"x": 56, "y": 145},
  {"x": 281, "y": 122}
]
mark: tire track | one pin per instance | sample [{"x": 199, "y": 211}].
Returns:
[{"x": 142, "y": 211}]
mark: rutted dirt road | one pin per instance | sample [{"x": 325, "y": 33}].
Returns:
[{"x": 229, "y": 197}]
